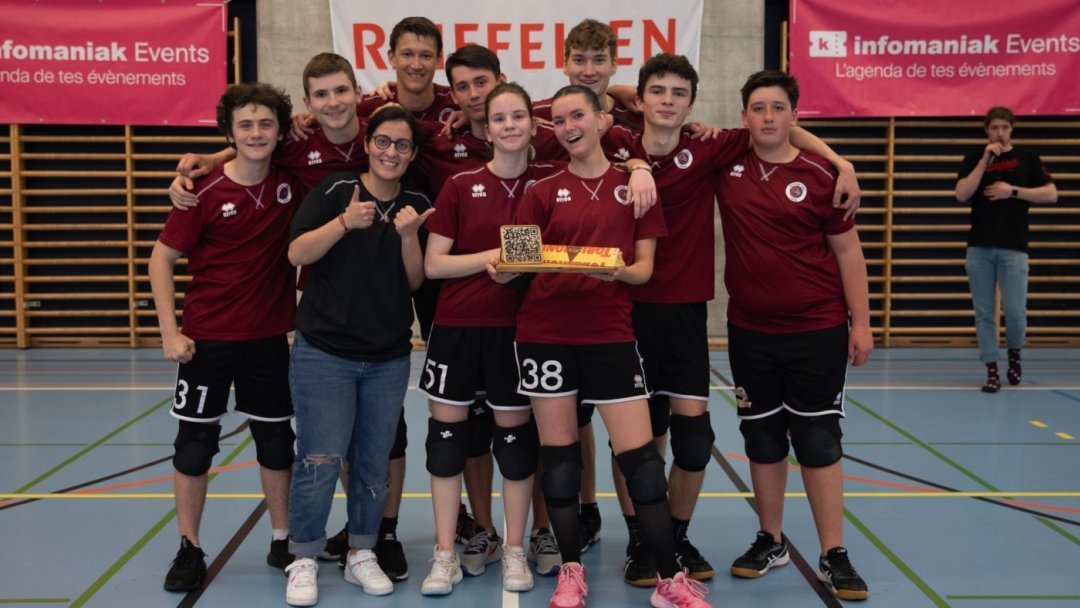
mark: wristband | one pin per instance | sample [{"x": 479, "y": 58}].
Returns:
[
  {"x": 341, "y": 219},
  {"x": 642, "y": 167}
]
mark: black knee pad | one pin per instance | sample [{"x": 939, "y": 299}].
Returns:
[
  {"x": 401, "y": 439},
  {"x": 195, "y": 446},
  {"x": 646, "y": 482},
  {"x": 584, "y": 414},
  {"x": 816, "y": 440},
  {"x": 517, "y": 450},
  {"x": 561, "y": 480},
  {"x": 692, "y": 440},
  {"x": 765, "y": 439},
  {"x": 480, "y": 432},
  {"x": 660, "y": 414},
  {"x": 447, "y": 445},
  {"x": 273, "y": 443}
]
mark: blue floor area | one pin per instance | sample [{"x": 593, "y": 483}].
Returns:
[{"x": 954, "y": 497}]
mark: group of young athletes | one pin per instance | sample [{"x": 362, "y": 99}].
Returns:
[{"x": 381, "y": 204}]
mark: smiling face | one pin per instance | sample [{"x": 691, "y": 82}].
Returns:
[
  {"x": 509, "y": 124},
  {"x": 769, "y": 116},
  {"x": 590, "y": 68},
  {"x": 254, "y": 132},
  {"x": 389, "y": 164},
  {"x": 667, "y": 101},
  {"x": 415, "y": 60},
  {"x": 332, "y": 100},
  {"x": 577, "y": 124}
]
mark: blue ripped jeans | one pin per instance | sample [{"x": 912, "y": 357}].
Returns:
[{"x": 346, "y": 411}]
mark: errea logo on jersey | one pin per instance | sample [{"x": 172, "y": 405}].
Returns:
[
  {"x": 460, "y": 151},
  {"x": 228, "y": 210},
  {"x": 314, "y": 158},
  {"x": 622, "y": 154},
  {"x": 737, "y": 170},
  {"x": 478, "y": 191},
  {"x": 562, "y": 195}
]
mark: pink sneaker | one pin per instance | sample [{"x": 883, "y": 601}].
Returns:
[
  {"x": 571, "y": 589},
  {"x": 679, "y": 591}
]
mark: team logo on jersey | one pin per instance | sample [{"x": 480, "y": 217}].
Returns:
[
  {"x": 478, "y": 191},
  {"x": 737, "y": 170},
  {"x": 460, "y": 151},
  {"x": 228, "y": 210},
  {"x": 622, "y": 154},
  {"x": 684, "y": 159},
  {"x": 445, "y": 113},
  {"x": 562, "y": 195},
  {"x": 741, "y": 399},
  {"x": 314, "y": 158},
  {"x": 796, "y": 192},
  {"x": 622, "y": 194},
  {"x": 284, "y": 194}
]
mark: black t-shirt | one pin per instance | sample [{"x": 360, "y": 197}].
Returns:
[
  {"x": 1003, "y": 223},
  {"x": 356, "y": 304}
]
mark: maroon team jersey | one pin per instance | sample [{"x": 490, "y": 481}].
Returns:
[
  {"x": 445, "y": 155},
  {"x": 780, "y": 271},
  {"x": 471, "y": 208},
  {"x": 685, "y": 265},
  {"x": 314, "y": 158},
  {"x": 438, "y": 111},
  {"x": 237, "y": 245},
  {"x": 622, "y": 114},
  {"x": 572, "y": 308}
]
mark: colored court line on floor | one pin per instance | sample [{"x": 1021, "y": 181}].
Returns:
[
  {"x": 139, "y": 544},
  {"x": 1015, "y": 598},
  {"x": 35, "y": 600},
  {"x": 1061, "y": 393},
  {"x": 957, "y": 466},
  {"x": 91, "y": 447}
]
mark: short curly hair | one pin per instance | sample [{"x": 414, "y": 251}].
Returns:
[{"x": 257, "y": 93}]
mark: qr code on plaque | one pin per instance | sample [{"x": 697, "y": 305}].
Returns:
[{"x": 521, "y": 244}]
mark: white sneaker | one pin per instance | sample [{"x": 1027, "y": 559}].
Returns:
[
  {"x": 445, "y": 573},
  {"x": 303, "y": 587},
  {"x": 362, "y": 568},
  {"x": 482, "y": 549},
  {"x": 516, "y": 574},
  {"x": 545, "y": 552}
]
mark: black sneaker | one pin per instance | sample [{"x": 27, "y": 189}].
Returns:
[
  {"x": 279, "y": 555},
  {"x": 391, "y": 557},
  {"x": 836, "y": 571},
  {"x": 640, "y": 567},
  {"x": 765, "y": 553},
  {"x": 691, "y": 560},
  {"x": 590, "y": 527},
  {"x": 336, "y": 546},
  {"x": 466, "y": 526},
  {"x": 187, "y": 571}
]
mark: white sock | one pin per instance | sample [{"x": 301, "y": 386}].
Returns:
[{"x": 281, "y": 534}]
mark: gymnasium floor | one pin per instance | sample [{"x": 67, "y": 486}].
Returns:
[{"x": 955, "y": 497}]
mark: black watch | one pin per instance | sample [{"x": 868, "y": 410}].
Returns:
[{"x": 1015, "y": 193}]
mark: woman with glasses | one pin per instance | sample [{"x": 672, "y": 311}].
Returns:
[{"x": 350, "y": 358}]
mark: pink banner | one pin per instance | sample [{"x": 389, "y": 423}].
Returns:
[
  {"x": 935, "y": 57},
  {"x": 133, "y": 62}
]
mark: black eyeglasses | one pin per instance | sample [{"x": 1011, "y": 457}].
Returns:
[{"x": 403, "y": 146}]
